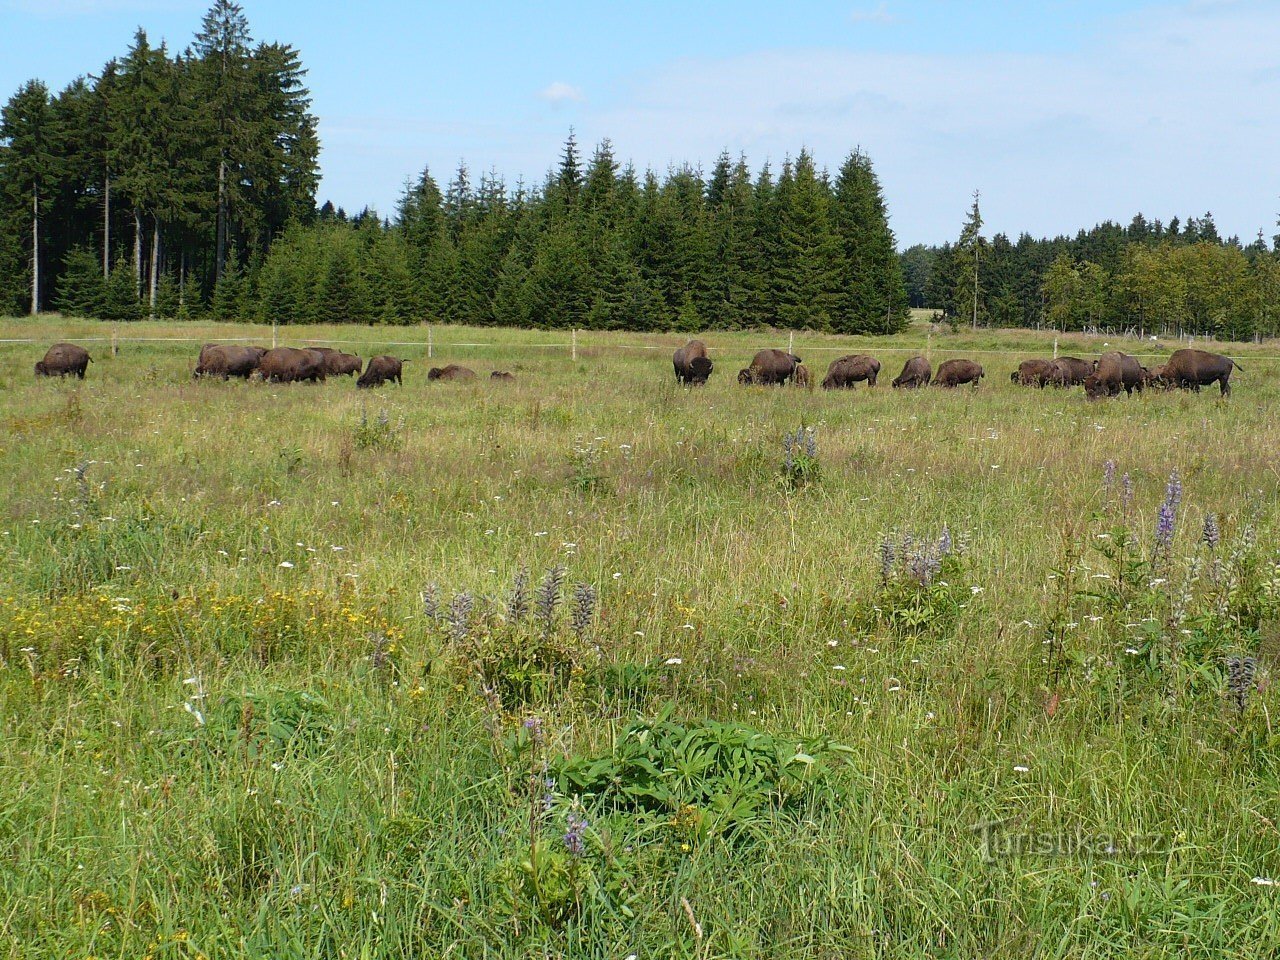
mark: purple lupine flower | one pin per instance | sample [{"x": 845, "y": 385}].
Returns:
[
  {"x": 886, "y": 558},
  {"x": 1173, "y": 491},
  {"x": 1211, "y": 534},
  {"x": 1108, "y": 476},
  {"x": 575, "y": 827},
  {"x": 549, "y": 795},
  {"x": 1126, "y": 491},
  {"x": 533, "y": 725},
  {"x": 1167, "y": 518},
  {"x": 944, "y": 542}
]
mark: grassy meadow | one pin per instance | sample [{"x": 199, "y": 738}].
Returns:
[{"x": 945, "y": 687}]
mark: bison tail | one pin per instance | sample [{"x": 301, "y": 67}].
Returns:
[{"x": 1236, "y": 365}]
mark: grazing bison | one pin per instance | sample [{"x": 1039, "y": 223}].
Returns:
[
  {"x": 952, "y": 373},
  {"x": 915, "y": 373},
  {"x": 502, "y": 375},
  {"x": 1033, "y": 373},
  {"x": 339, "y": 364},
  {"x": 802, "y": 378},
  {"x": 846, "y": 371},
  {"x": 1070, "y": 371},
  {"x": 62, "y": 359},
  {"x": 452, "y": 372},
  {"x": 291, "y": 365},
  {"x": 1192, "y": 369},
  {"x": 770, "y": 367},
  {"x": 1114, "y": 372},
  {"x": 380, "y": 370},
  {"x": 692, "y": 364},
  {"x": 228, "y": 360}
]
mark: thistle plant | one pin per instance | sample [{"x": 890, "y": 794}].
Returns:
[
  {"x": 548, "y": 597},
  {"x": 1240, "y": 680},
  {"x": 460, "y": 616},
  {"x": 431, "y": 602},
  {"x": 584, "y": 610},
  {"x": 518, "y": 604}
]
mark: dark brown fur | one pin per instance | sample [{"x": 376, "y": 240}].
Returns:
[
  {"x": 502, "y": 375},
  {"x": 1033, "y": 373},
  {"x": 452, "y": 372},
  {"x": 692, "y": 364},
  {"x": 339, "y": 364},
  {"x": 952, "y": 373},
  {"x": 63, "y": 359},
  {"x": 1114, "y": 372},
  {"x": 847, "y": 371},
  {"x": 291, "y": 365},
  {"x": 1190, "y": 369},
  {"x": 228, "y": 360},
  {"x": 915, "y": 373},
  {"x": 1070, "y": 371},
  {"x": 770, "y": 367},
  {"x": 380, "y": 370}
]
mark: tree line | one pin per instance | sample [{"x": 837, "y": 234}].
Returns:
[
  {"x": 184, "y": 185},
  {"x": 1148, "y": 277},
  {"x": 136, "y": 190}
]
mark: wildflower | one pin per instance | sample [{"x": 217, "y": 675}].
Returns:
[
  {"x": 887, "y": 557},
  {"x": 1108, "y": 476},
  {"x": 1211, "y": 535},
  {"x": 286, "y": 565},
  {"x": 1126, "y": 491},
  {"x": 431, "y": 602},
  {"x": 584, "y": 609},
  {"x": 518, "y": 604},
  {"x": 575, "y": 825},
  {"x": 548, "y": 597},
  {"x": 1021, "y": 769},
  {"x": 1264, "y": 882},
  {"x": 1240, "y": 674},
  {"x": 460, "y": 616},
  {"x": 673, "y": 661},
  {"x": 944, "y": 542}
]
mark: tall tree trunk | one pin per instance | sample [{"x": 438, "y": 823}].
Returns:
[
  {"x": 182, "y": 281},
  {"x": 155, "y": 262},
  {"x": 221, "y": 253},
  {"x": 137, "y": 250},
  {"x": 35, "y": 248},
  {"x": 106, "y": 226}
]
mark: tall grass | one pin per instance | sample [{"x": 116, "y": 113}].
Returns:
[{"x": 231, "y": 727}]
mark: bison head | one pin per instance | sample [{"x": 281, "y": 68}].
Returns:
[
  {"x": 744, "y": 377},
  {"x": 1093, "y": 387},
  {"x": 701, "y": 368},
  {"x": 40, "y": 368}
]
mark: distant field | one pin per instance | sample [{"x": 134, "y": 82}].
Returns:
[{"x": 230, "y": 727}]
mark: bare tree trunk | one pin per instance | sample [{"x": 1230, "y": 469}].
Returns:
[
  {"x": 106, "y": 227},
  {"x": 155, "y": 263},
  {"x": 137, "y": 251},
  {"x": 35, "y": 248},
  {"x": 221, "y": 254},
  {"x": 182, "y": 282}
]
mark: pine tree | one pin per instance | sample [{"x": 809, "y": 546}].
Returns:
[
  {"x": 81, "y": 289},
  {"x": 30, "y": 166},
  {"x": 873, "y": 298},
  {"x": 808, "y": 270},
  {"x": 120, "y": 301},
  {"x": 970, "y": 252}
]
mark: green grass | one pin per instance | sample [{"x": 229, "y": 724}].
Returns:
[{"x": 360, "y": 784}]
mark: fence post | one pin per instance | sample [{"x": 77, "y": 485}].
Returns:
[
  {"x": 928, "y": 346},
  {"x": 574, "y": 345},
  {"x": 275, "y": 330},
  {"x": 115, "y": 347},
  {"x": 791, "y": 343},
  {"x": 1055, "y": 348},
  {"x": 430, "y": 345}
]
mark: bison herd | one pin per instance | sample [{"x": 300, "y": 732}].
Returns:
[
  {"x": 1107, "y": 376},
  {"x": 1111, "y": 373}
]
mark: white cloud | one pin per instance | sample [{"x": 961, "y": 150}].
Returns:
[
  {"x": 1175, "y": 110},
  {"x": 877, "y": 14},
  {"x": 560, "y": 92}
]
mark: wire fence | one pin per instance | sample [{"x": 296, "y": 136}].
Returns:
[{"x": 573, "y": 346}]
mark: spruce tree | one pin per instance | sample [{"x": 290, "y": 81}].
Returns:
[
  {"x": 807, "y": 272},
  {"x": 873, "y": 298},
  {"x": 30, "y": 166},
  {"x": 81, "y": 289}
]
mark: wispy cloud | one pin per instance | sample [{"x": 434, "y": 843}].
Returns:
[
  {"x": 880, "y": 13},
  {"x": 560, "y": 92}
]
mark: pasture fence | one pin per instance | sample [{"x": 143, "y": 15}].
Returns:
[{"x": 574, "y": 346}]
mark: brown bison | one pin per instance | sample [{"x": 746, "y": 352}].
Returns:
[
  {"x": 502, "y": 375},
  {"x": 1033, "y": 373},
  {"x": 846, "y": 371},
  {"x": 802, "y": 377},
  {"x": 915, "y": 373},
  {"x": 380, "y": 370},
  {"x": 452, "y": 372},
  {"x": 62, "y": 359},
  {"x": 339, "y": 364},
  {"x": 228, "y": 360},
  {"x": 1192, "y": 369},
  {"x": 692, "y": 364},
  {"x": 291, "y": 365},
  {"x": 770, "y": 367},
  {"x": 1114, "y": 372},
  {"x": 952, "y": 373},
  {"x": 1070, "y": 371}
]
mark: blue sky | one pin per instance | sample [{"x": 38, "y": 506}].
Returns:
[{"x": 1062, "y": 114}]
